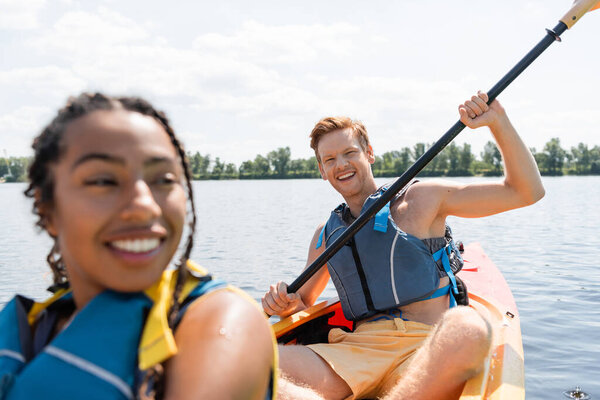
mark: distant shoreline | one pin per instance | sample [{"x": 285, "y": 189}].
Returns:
[{"x": 452, "y": 161}]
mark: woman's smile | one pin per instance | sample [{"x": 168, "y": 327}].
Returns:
[{"x": 135, "y": 245}]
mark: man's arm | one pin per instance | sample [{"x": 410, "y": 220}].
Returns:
[
  {"x": 522, "y": 184},
  {"x": 277, "y": 301}
]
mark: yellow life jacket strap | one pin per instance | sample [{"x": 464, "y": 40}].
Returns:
[
  {"x": 158, "y": 341},
  {"x": 37, "y": 308}
]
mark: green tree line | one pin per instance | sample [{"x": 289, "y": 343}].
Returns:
[
  {"x": 277, "y": 164},
  {"x": 454, "y": 160},
  {"x": 14, "y": 169}
]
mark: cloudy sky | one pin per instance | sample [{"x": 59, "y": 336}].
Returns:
[{"x": 241, "y": 78}]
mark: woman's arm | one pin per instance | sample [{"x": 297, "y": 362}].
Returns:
[{"x": 225, "y": 350}]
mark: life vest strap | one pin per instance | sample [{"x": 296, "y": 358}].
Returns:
[
  {"x": 442, "y": 292},
  {"x": 381, "y": 219},
  {"x": 320, "y": 241},
  {"x": 361, "y": 274},
  {"x": 439, "y": 292},
  {"x": 452, "y": 288}
]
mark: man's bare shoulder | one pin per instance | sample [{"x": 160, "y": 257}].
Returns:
[
  {"x": 418, "y": 212},
  {"x": 428, "y": 188}
]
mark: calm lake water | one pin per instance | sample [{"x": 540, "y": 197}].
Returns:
[{"x": 254, "y": 233}]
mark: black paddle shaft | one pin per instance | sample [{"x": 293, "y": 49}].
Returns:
[{"x": 409, "y": 174}]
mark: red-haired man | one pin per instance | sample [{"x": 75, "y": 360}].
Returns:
[{"x": 411, "y": 341}]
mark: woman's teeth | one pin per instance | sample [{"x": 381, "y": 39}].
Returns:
[{"x": 136, "y": 245}]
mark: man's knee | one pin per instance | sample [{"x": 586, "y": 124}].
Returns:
[
  {"x": 468, "y": 336},
  {"x": 467, "y": 324}
]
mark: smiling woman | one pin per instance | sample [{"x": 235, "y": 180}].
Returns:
[{"x": 111, "y": 186}]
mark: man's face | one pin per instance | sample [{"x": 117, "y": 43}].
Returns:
[{"x": 344, "y": 163}]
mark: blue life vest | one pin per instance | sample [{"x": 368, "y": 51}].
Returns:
[
  {"x": 382, "y": 267},
  {"x": 102, "y": 352}
]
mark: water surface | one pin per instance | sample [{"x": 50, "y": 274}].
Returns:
[{"x": 254, "y": 233}]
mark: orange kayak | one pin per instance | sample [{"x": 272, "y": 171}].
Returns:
[{"x": 502, "y": 377}]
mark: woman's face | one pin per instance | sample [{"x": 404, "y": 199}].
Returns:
[{"x": 119, "y": 202}]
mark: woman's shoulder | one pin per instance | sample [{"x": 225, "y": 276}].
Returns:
[
  {"x": 222, "y": 302},
  {"x": 225, "y": 342}
]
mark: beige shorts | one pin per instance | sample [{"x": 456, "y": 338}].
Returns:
[{"x": 373, "y": 357}]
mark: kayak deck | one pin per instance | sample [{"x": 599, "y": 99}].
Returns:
[{"x": 502, "y": 377}]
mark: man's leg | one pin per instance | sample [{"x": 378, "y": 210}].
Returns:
[
  {"x": 452, "y": 354},
  {"x": 303, "y": 367},
  {"x": 288, "y": 390}
]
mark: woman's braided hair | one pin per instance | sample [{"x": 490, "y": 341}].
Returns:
[{"x": 49, "y": 148}]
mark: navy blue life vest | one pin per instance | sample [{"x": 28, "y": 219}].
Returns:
[
  {"x": 382, "y": 267},
  {"x": 100, "y": 354}
]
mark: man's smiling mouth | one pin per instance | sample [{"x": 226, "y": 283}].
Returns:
[{"x": 346, "y": 176}]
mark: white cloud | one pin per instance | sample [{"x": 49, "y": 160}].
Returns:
[
  {"x": 19, "y": 127},
  {"x": 571, "y": 126},
  {"x": 256, "y": 85},
  {"x": 79, "y": 32},
  {"x": 36, "y": 94},
  {"x": 222, "y": 73},
  {"x": 285, "y": 44},
  {"x": 23, "y": 119},
  {"x": 19, "y": 14},
  {"x": 50, "y": 81},
  {"x": 115, "y": 53}
]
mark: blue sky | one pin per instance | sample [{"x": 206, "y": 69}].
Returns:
[{"x": 241, "y": 78}]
